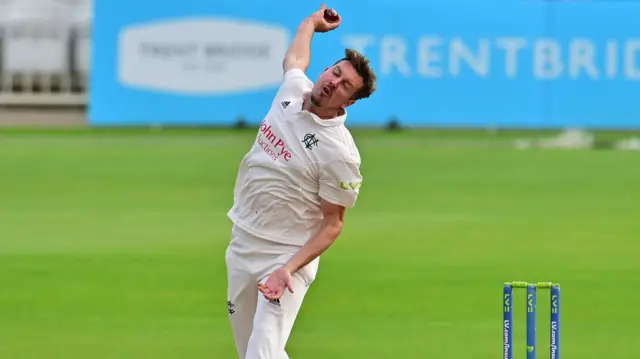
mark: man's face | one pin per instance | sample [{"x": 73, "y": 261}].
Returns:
[{"x": 336, "y": 86}]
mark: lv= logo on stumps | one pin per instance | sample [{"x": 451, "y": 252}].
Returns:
[{"x": 531, "y": 318}]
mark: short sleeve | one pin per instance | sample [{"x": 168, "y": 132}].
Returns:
[
  {"x": 340, "y": 182},
  {"x": 294, "y": 84}
]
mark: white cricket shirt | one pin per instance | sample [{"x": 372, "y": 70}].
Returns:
[{"x": 296, "y": 160}]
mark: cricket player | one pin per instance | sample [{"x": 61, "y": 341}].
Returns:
[{"x": 291, "y": 193}]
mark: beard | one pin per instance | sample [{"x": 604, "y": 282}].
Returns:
[{"x": 314, "y": 100}]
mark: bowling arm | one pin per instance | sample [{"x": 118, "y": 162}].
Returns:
[{"x": 299, "y": 53}]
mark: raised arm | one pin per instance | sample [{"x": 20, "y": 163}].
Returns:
[{"x": 299, "y": 53}]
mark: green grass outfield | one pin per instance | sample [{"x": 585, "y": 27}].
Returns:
[{"x": 112, "y": 246}]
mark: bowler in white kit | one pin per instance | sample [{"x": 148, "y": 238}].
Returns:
[{"x": 291, "y": 193}]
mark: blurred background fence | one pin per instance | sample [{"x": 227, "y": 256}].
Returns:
[
  {"x": 45, "y": 52},
  {"x": 457, "y": 63}
]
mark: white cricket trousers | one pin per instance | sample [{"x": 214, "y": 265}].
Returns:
[{"x": 261, "y": 328}]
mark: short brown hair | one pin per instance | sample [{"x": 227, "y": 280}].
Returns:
[{"x": 361, "y": 64}]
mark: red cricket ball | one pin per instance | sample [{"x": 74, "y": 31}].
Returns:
[{"x": 331, "y": 15}]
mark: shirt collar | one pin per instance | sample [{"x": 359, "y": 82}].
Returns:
[{"x": 329, "y": 122}]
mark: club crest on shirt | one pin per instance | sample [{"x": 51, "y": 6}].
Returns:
[{"x": 310, "y": 140}]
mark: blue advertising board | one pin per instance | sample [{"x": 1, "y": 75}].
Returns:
[{"x": 505, "y": 63}]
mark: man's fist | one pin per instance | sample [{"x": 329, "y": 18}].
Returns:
[{"x": 325, "y": 20}]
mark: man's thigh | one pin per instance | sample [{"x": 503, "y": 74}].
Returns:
[
  {"x": 273, "y": 322},
  {"x": 242, "y": 296}
]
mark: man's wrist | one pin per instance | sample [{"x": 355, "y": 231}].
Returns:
[
  {"x": 310, "y": 22},
  {"x": 288, "y": 268}
]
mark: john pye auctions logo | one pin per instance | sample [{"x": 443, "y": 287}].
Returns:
[{"x": 272, "y": 144}]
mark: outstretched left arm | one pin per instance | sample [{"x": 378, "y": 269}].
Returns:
[
  {"x": 332, "y": 223},
  {"x": 339, "y": 185}
]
